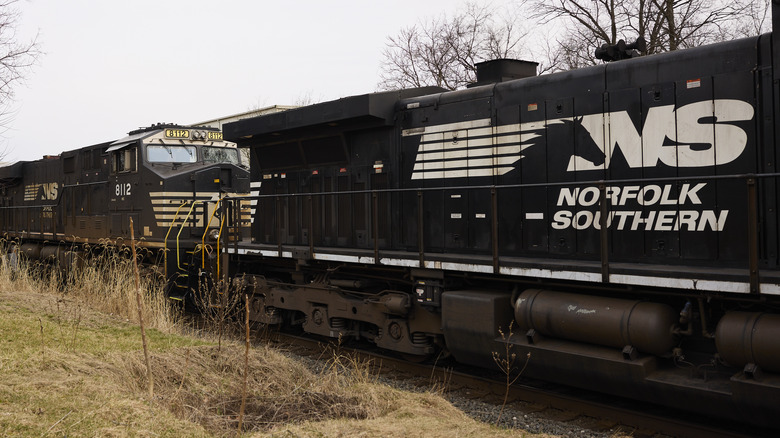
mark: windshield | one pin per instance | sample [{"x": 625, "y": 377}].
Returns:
[
  {"x": 220, "y": 155},
  {"x": 171, "y": 154}
]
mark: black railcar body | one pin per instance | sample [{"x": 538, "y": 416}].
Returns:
[
  {"x": 619, "y": 220},
  {"x": 168, "y": 180}
]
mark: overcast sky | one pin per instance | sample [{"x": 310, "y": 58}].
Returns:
[{"x": 112, "y": 66}]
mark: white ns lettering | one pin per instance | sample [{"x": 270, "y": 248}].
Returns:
[
  {"x": 50, "y": 191},
  {"x": 696, "y": 131}
]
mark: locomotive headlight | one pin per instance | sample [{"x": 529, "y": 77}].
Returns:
[{"x": 214, "y": 235}]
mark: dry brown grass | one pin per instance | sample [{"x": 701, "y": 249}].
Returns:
[
  {"x": 206, "y": 389},
  {"x": 98, "y": 388},
  {"x": 58, "y": 371},
  {"x": 72, "y": 365},
  {"x": 104, "y": 282},
  {"x": 107, "y": 283}
]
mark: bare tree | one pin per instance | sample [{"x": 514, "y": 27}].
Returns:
[
  {"x": 757, "y": 19},
  {"x": 664, "y": 24},
  {"x": 16, "y": 58},
  {"x": 443, "y": 51}
]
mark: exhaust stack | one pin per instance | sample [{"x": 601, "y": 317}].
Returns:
[{"x": 500, "y": 70}]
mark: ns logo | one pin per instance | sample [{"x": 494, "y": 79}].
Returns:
[
  {"x": 42, "y": 192},
  {"x": 699, "y": 134}
]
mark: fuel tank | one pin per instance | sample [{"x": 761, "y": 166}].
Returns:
[
  {"x": 749, "y": 337},
  {"x": 648, "y": 327},
  {"x": 31, "y": 250}
]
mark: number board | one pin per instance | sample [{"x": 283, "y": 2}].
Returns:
[
  {"x": 215, "y": 135},
  {"x": 177, "y": 133}
]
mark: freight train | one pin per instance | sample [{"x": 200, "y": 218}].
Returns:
[
  {"x": 616, "y": 224},
  {"x": 167, "y": 180}
]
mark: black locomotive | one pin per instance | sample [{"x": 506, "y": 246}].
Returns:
[
  {"x": 168, "y": 179},
  {"x": 619, "y": 220}
]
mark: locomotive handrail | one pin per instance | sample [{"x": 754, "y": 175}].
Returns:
[
  {"x": 602, "y": 185},
  {"x": 10, "y": 207},
  {"x": 178, "y": 250},
  {"x": 206, "y": 231},
  {"x": 744, "y": 176},
  {"x": 84, "y": 184},
  {"x": 165, "y": 241},
  {"x": 219, "y": 236}
]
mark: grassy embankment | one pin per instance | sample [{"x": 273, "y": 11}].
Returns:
[{"x": 71, "y": 364}]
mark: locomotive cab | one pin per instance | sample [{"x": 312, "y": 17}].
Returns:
[
  {"x": 183, "y": 172},
  {"x": 172, "y": 180},
  {"x": 169, "y": 180}
]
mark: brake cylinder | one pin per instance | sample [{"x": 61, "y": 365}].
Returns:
[
  {"x": 749, "y": 337},
  {"x": 648, "y": 327}
]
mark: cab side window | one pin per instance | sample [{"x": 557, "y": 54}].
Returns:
[{"x": 123, "y": 160}]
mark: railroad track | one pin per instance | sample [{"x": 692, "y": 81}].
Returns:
[{"x": 550, "y": 401}]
